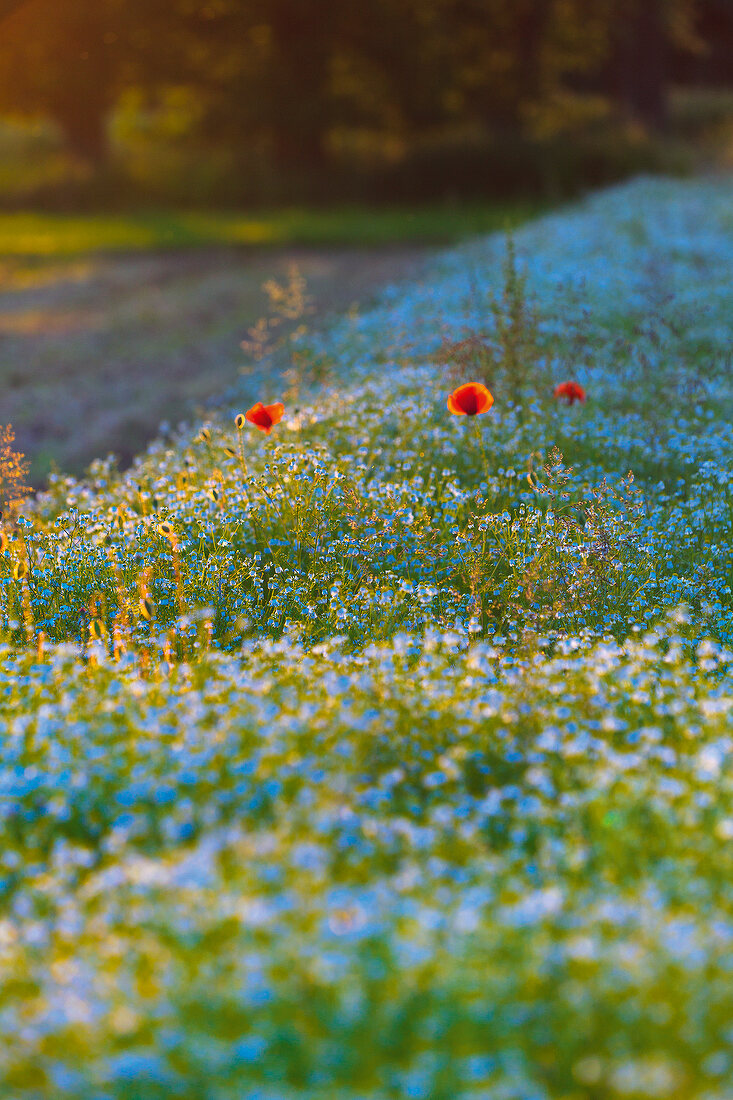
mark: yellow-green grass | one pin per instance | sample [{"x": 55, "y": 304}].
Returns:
[{"x": 46, "y": 234}]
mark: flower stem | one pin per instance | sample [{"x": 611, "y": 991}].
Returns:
[{"x": 482, "y": 445}]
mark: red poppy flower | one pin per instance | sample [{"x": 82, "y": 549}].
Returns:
[
  {"x": 569, "y": 393},
  {"x": 265, "y": 417},
  {"x": 470, "y": 400}
]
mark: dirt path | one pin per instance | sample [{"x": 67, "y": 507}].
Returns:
[{"x": 95, "y": 353}]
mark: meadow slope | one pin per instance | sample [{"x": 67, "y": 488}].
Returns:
[{"x": 389, "y": 755}]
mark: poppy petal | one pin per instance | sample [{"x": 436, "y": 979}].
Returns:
[
  {"x": 470, "y": 399},
  {"x": 485, "y": 400},
  {"x": 259, "y": 416},
  {"x": 570, "y": 392}
]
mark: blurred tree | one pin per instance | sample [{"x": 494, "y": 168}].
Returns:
[
  {"x": 703, "y": 53},
  {"x": 495, "y": 61},
  {"x": 642, "y": 35},
  {"x": 277, "y": 76},
  {"x": 69, "y": 59},
  {"x": 290, "y": 69},
  {"x": 54, "y": 60},
  {"x": 262, "y": 68},
  {"x": 638, "y": 43},
  {"x": 9, "y": 6}
]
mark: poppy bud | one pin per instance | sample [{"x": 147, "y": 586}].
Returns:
[
  {"x": 96, "y": 630},
  {"x": 165, "y": 530}
]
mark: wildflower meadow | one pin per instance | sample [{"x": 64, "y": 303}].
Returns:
[{"x": 375, "y": 740}]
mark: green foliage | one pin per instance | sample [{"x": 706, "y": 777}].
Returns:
[
  {"x": 574, "y": 564},
  {"x": 511, "y": 352}
]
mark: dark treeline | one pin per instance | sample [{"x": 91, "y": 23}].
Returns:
[{"x": 305, "y": 86}]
